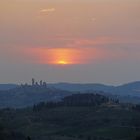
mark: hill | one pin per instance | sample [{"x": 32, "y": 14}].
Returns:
[
  {"x": 104, "y": 121},
  {"x": 27, "y": 95},
  {"x": 132, "y": 89},
  {"x": 7, "y": 86},
  {"x": 125, "y": 93}
]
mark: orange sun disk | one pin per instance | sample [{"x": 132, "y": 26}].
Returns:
[{"x": 62, "y": 62}]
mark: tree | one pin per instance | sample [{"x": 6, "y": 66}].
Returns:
[{"x": 28, "y": 138}]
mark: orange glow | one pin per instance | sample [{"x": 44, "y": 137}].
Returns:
[
  {"x": 56, "y": 56},
  {"x": 62, "y": 62},
  {"x": 64, "y": 56}
]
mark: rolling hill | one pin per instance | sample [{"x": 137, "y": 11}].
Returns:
[{"x": 26, "y": 95}]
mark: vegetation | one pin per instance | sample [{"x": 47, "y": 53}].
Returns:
[{"x": 76, "y": 117}]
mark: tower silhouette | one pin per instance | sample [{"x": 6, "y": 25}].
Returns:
[{"x": 33, "y": 81}]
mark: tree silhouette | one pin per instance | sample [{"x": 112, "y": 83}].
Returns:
[{"x": 28, "y": 138}]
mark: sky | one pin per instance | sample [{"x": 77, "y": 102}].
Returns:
[{"x": 77, "y": 41}]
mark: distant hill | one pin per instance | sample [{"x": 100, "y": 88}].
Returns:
[
  {"x": 131, "y": 89},
  {"x": 7, "y": 86},
  {"x": 26, "y": 95},
  {"x": 81, "y": 87},
  {"x": 129, "y": 92},
  {"x": 21, "y": 96}
]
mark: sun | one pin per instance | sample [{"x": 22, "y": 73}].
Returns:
[{"x": 62, "y": 62}]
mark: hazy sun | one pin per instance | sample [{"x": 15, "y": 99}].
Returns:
[
  {"x": 62, "y": 62},
  {"x": 59, "y": 56}
]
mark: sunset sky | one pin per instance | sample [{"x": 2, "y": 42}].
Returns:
[{"x": 85, "y": 41}]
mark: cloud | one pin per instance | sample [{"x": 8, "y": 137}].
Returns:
[{"x": 47, "y": 11}]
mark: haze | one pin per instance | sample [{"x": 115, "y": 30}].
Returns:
[{"x": 85, "y": 41}]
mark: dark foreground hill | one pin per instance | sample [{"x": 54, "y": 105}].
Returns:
[{"x": 94, "y": 118}]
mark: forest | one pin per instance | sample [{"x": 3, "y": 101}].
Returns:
[{"x": 75, "y": 117}]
